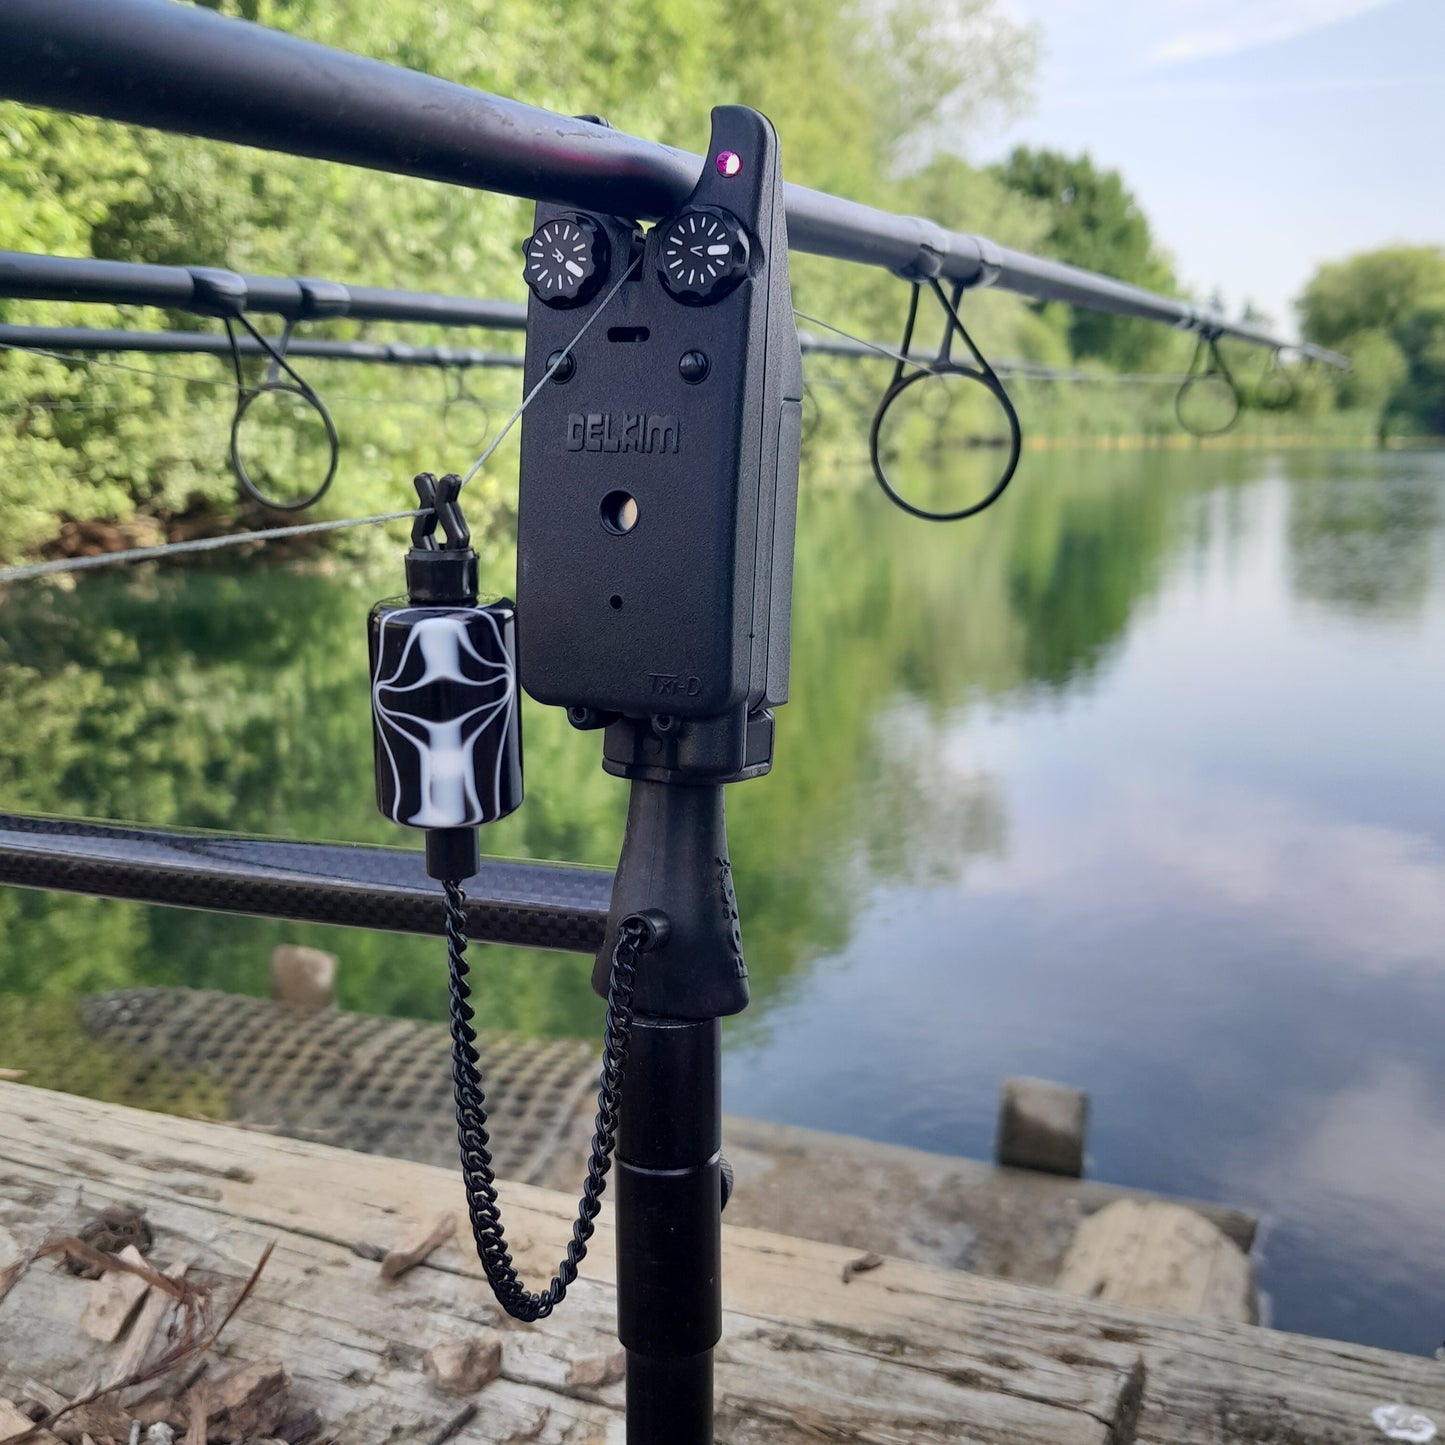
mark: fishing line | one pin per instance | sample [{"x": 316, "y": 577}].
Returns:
[
  {"x": 546, "y": 376},
  {"x": 238, "y": 539},
  {"x": 115, "y": 365},
  {"x": 197, "y": 544},
  {"x": 1020, "y": 370},
  {"x": 923, "y": 364}
]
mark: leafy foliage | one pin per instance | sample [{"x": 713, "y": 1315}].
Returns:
[
  {"x": 104, "y": 442},
  {"x": 1386, "y": 309},
  {"x": 1095, "y": 222}
]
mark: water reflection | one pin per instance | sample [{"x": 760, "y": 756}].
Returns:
[
  {"x": 235, "y": 699},
  {"x": 1124, "y": 783},
  {"x": 1366, "y": 542}
]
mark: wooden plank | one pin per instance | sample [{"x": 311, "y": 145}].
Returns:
[
  {"x": 354, "y": 1344},
  {"x": 903, "y": 1353}
]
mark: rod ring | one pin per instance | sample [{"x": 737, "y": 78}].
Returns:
[
  {"x": 1015, "y": 445},
  {"x": 1192, "y": 381},
  {"x": 238, "y": 467},
  {"x": 1215, "y": 368}
]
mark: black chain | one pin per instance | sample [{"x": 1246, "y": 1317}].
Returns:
[{"x": 477, "y": 1173}]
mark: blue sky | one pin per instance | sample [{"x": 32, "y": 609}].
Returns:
[{"x": 1261, "y": 136}]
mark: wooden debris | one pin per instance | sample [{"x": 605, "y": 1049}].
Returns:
[
  {"x": 46, "y": 1398},
  {"x": 196, "y": 1422},
  {"x": 15, "y": 1422},
  {"x": 246, "y": 1403},
  {"x": 462, "y": 1367},
  {"x": 137, "y": 1344},
  {"x": 411, "y": 1253},
  {"x": 599, "y": 1371},
  {"x": 861, "y": 1265},
  {"x": 12, "y": 1075},
  {"x": 81, "y": 1258},
  {"x": 454, "y": 1426},
  {"x": 114, "y": 1298},
  {"x": 102, "y": 1419}
]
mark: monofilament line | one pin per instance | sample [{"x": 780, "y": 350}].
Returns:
[
  {"x": 197, "y": 544},
  {"x": 238, "y": 539},
  {"x": 922, "y": 362},
  {"x": 95, "y": 361},
  {"x": 546, "y": 376}
]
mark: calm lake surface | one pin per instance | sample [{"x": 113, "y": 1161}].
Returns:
[{"x": 1135, "y": 782}]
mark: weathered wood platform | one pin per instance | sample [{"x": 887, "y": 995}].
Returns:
[{"x": 904, "y": 1353}]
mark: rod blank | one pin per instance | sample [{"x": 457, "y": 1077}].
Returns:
[
  {"x": 28, "y": 277},
  {"x": 203, "y": 343},
  {"x": 185, "y": 69},
  {"x": 535, "y": 905}
]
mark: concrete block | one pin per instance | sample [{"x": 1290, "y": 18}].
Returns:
[
  {"x": 303, "y": 976},
  {"x": 1159, "y": 1256},
  {"x": 1041, "y": 1125}
]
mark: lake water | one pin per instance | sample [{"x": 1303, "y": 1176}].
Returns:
[{"x": 1135, "y": 782}]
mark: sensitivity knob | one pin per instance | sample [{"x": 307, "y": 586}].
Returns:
[
  {"x": 703, "y": 255},
  {"x": 565, "y": 261}
]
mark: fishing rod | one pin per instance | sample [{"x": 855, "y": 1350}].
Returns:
[
  {"x": 215, "y": 291},
  {"x": 520, "y": 904},
  {"x": 234, "y": 298},
  {"x": 188, "y": 70},
  {"x": 118, "y": 341}
]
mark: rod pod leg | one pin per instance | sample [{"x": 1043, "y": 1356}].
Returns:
[
  {"x": 668, "y": 1171},
  {"x": 669, "y": 1228}
]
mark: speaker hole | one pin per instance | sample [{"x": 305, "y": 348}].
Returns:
[{"x": 619, "y": 513}]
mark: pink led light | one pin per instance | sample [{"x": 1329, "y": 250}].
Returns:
[{"x": 729, "y": 163}]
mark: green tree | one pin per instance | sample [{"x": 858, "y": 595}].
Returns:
[
  {"x": 1386, "y": 310},
  {"x": 108, "y": 443},
  {"x": 1095, "y": 222}
]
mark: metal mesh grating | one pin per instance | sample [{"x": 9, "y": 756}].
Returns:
[{"x": 381, "y": 1086}]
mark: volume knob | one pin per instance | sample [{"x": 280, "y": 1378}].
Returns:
[
  {"x": 565, "y": 261},
  {"x": 703, "y": 255}
]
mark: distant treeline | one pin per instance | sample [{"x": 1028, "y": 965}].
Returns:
[{"x": 871, "y": 99}]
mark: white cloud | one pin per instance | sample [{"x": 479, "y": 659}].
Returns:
[
  {"x": 1365, "y": 1164},
  {"x": 1374, "y": 894},
  {"x": 1228, "y": 28},
  {"x": 1149, "y": 33},
  {"x": 1372, "y": 897}
]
